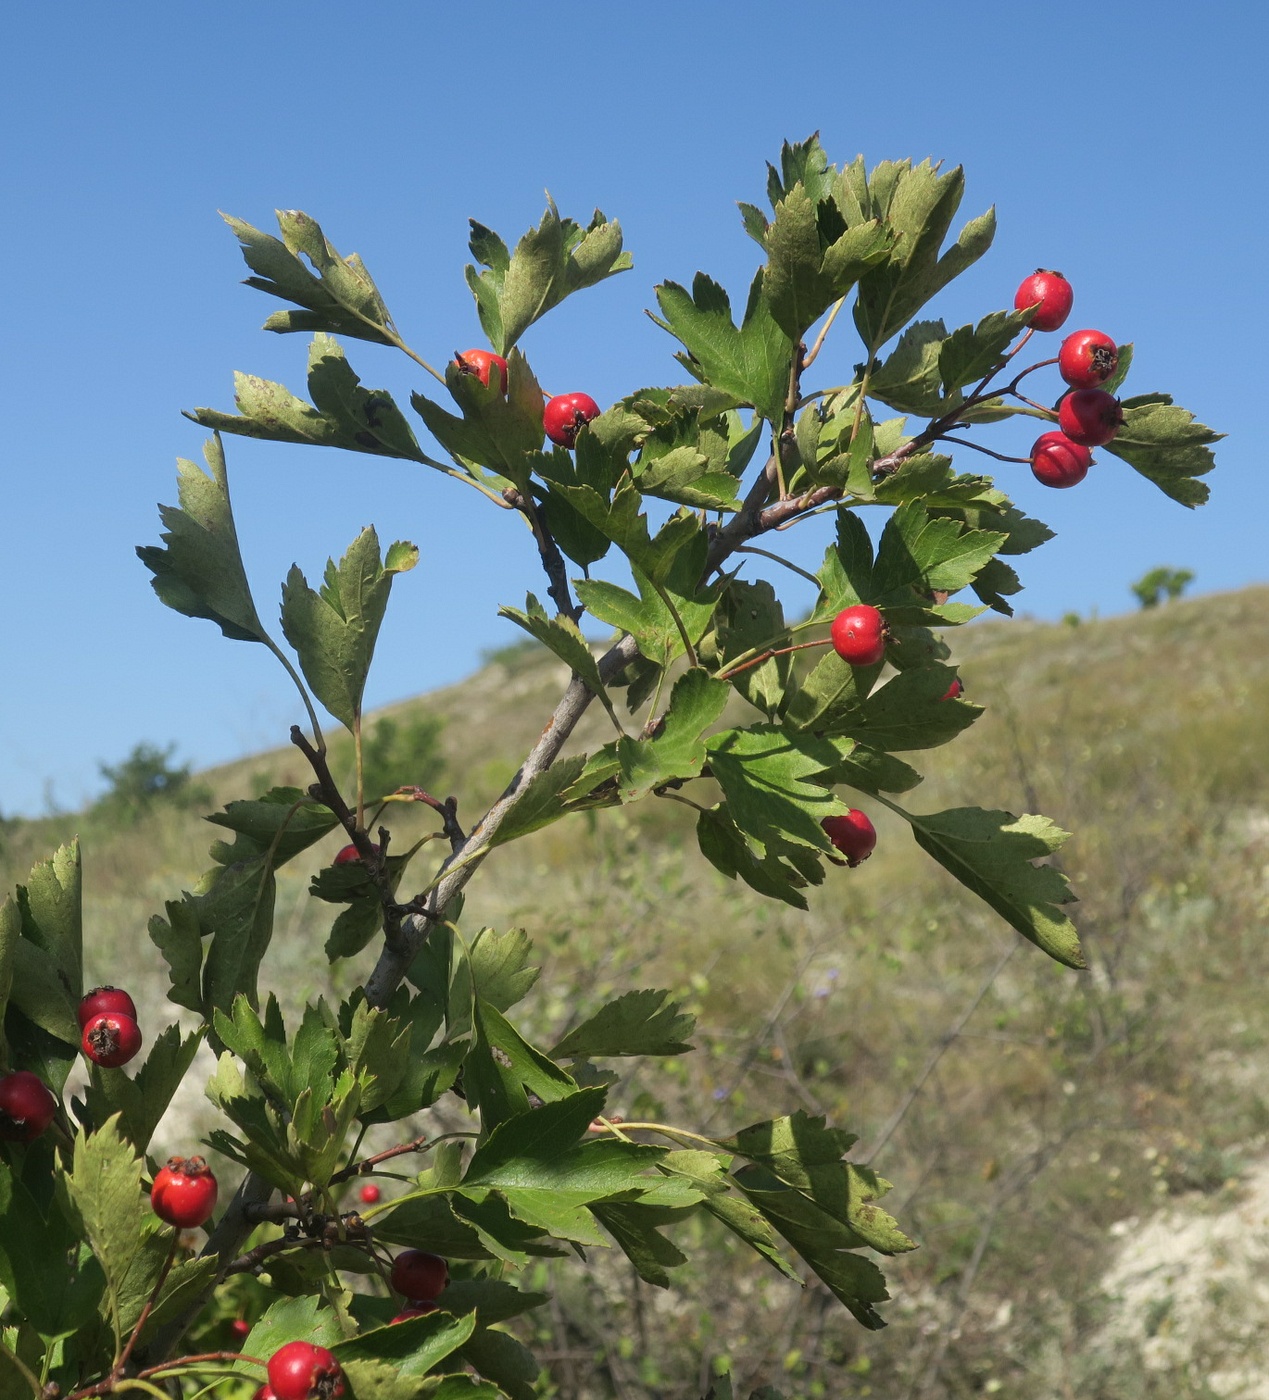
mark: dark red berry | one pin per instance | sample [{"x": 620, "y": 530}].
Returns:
[
  {"x": 111, "y": 1039},
  {"x": 954, "y": 690},
  {"x": 369, "y": 1194},
  {"x": 1087, "y": 359},
  {"x": 859, "y": 635},
  {"x": 564, "y": 416},
  {"x": 853, "y": 835},
  {"x": 184, "y": 1192},
  {"x": 419, "y": 1309},
  {"x": 263, "y": 1392},
  {"x": 105, "y": 999},
  {"x": 26, "y": 1106},
  {"x": 1051, "y": 295},
  {"x": 480, "y": 363},
  {"x": 418, "y": 1275},
  {"x": 302, "y": 1371},
  {"x": 1090, "y": 417},
  {"x": 350, "y": 854},
  {"x": 241, "y": 1328},
  {"x": 1057, "y": 461}
]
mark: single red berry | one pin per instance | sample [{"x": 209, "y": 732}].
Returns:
[
  {"x": 419, "y": 1309},
  {"x": 1090, "y": 417},
  {"x": 418, "y": 1275},
  {"x": 241, "y": 1328},
  {"x": 349, "y": 854},
  {"x": 111, "y": 1039},
  {"x": 1087, "y": 359},
  {"x": 264, "y": 1392},
  {"x": 481, "y": 363},
  {"x": 954, "y": 690},
  {"x": 1051, "y": 295},
  {"x": 1057, "y": 461},
  {"x": 27, "y": 1106},
  {"x": 369, "y": 1194},
  {"x": 859, "y": 635},
  {"x": 853, "y": 835},
  {"x": 184, "y": 1192},
  {"x": 565, "y": 414},
  {"x": 302, "y": 1371},
  {"x": 105, "y": 999}
]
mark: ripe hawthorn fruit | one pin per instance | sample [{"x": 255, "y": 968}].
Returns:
[
  {"x": 1090, "y": 417},
  {"x": 859, "y": 635},
  {"x": 350, "y": 854},
  {"x": 1051, "y": 295},
  {"x": 369, "y": 1194},
  {"x": 299, "y": 1370},
  {"x": 418, "y": 1275},
  {"x": 419, "y": 1309},
  {"x": 853, "y": 835},
  {"x": 184, "y": 1192},
  {"x": 1057, "y": 461},
  {"x": 564, "y": 416},
  {"x": 1087, "y": 359},
  {"x": 956, "y": 688},
  {"x": 111, "y": 1039},
  {"x": 241, "y": 1329},
  {"x": 102, "y": 999},
  {"x": 481, "y": 363},
  {"x": 27, "y": 1106}
]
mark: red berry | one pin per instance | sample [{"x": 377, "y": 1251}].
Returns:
[
  {"x": 111, "y": 1039},
  {"x": 349, "y": 854},
  {"x": 859, "y": 635},
  {"x": 853, "y": 835},
  {"x": 1057, "y": 461},
  {"x": 565, "y": 414},
  {"x": 369, "y": 1194},
  {"x": 418, "y": 1275},
  {"x": 26, "y": 1106},
  {"x": 1051, "y": 295},
  {"x": 1090, "y": 417},
  {"x": 264, "y": 1392},
  {"x": 954, "y": 690},
  {"x": 419, "y": 1309},
  {"x": 1087, "y": 359},
  {"x": 300, "y": 1370},
  {"x": 105, "y": 999},
  {"x": 184, "y": 1192},
  {"x": 480, "y": 363},
  {"x": 241, "y": 1328}
]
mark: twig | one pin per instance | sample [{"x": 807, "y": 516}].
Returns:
[{"x": 552, "y": 559}]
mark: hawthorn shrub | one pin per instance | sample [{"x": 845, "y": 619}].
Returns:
[{"x": 673, "y": 487}]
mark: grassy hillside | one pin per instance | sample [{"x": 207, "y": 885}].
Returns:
[{"x": 1029, "y": 1117}]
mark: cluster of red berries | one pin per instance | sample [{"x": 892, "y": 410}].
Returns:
[
  {"x": 1088, "y": 416},
  {"x": 564, "y": 415},
  {"x": 108, "y": 1022},
  {"x": 420, "y": 1278}
]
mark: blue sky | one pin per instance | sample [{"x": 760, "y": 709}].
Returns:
[{"x": 1125, "y": 147}]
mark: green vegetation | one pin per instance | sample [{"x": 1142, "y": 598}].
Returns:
[{"x": 898, "y": 1003}]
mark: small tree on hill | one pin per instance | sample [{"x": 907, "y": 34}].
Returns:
[{"x": 1152, "y": 588}]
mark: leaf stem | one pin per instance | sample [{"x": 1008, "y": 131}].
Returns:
[{"x": 809, "y": 358}]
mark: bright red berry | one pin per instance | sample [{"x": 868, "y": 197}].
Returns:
[
  {"x": 419, "y": 1309},
  {"x": 1051, "y": 295},
  {"x": 241, "y": 1328},
  {"x": 102, "y": 999},
  {"x": 418, "y": 1275},
  {"x": 1090, "y": 417},
  {"x": 111, "y": 1039},
  {"x": 1057, "y": 461},
  {"x": 369, "y": 1194},
  {"x": 853, "y": 835},
  {"x": 1087, "y": 359},
  {"x": 565, "y": 414},
  {"x": 302, "y": 1371},
  {"x": 264, "y": 1392},
  {"x": 481, "y": 363},
  {"x": 26, "y": 1106},
  {"x": 954, "y": 690},
  {"x": 184, "y": 1192},
  {"x": 859, "y": 635},
  {"x": 349, "y": 854}
]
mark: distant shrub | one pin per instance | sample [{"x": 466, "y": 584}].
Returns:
[
  {"x": 145, "y": 779},
  {"x": 1152, "y": 588}
]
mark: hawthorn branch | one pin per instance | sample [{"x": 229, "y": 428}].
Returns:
[{"x": 552, "y": 559}]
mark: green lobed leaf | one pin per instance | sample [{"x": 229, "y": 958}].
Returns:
[
  {"x": 550, "y": 262},
  {"x": 920, "y": 554},
  {"x": 769, "y": 776},
  {"x": 634, "y": 1227},
  {"x": 502, "y": 1069},
  {"x": 141, "y": 1100},
  {"x": 198, "y": 569},
  {"x": 562, "y": 636},
  {"x": 543, "y": 801},
  {"x": 677, "y": 750},
  {"x": 179, "y": 939},
  {"x": 909, "y": 379},
  {"x": 776, "y": 869},
  {"x": 991, "y": 853},
  {"x": 285, "y": 821},
  {"x": 503, "y": 1360},
  {"x": 749, "y": 619},
  {"x": 334, "y": 631},
  {"x": 236, "y": 910},
  {"x": 643, "y": 1022},
  {"x": 1167, "y": 445},
  {"x": 972, "y": 353}
]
